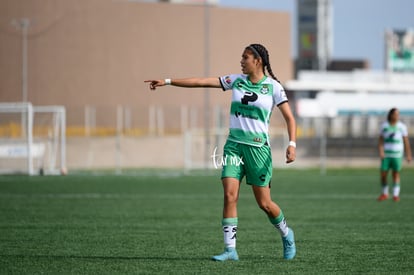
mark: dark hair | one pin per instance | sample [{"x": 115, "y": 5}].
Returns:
[
  {"x": 259, "y": 50},
  {"x": 390, "y": 113}
]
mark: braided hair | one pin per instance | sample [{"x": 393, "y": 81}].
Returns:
[{"x": 259, "y": 50}]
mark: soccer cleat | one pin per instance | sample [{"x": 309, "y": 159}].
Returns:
[
  {"x": 289, "y": 247},
  {"x": 383, "y": 197},
  {"x": 396, "y": 198},
  {"x": 229, "y": 253}
]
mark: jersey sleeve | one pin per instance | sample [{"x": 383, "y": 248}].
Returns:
[
  {"x": 404, "y": 130},
  {"x": 228, "y": 81},
  {"x": 279, "y": 94},
  {"x": 382, "y": 128}
]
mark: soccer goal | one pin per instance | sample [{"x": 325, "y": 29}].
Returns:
[{"x": 32, "y": 139}]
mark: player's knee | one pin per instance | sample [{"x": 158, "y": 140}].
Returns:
[
  {"x": 230, "y": 197},
  {"x": 265, "y": 206}
]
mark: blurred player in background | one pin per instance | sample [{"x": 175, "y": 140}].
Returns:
[
  {"x": 247, "y": 150},
  {"x": 393, "y": 141}
]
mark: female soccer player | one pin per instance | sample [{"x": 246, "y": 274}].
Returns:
[
  {"x": 392, "y": 142},
  {"x": 253, "y": 97}
]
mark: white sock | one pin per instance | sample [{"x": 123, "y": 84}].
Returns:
[
  {"x": 385, "y": 189},
  {"x": 230, "y": 235},
  {"x": 283, "y": 228},
  {"x": 396, "y": 190},
  {"x": 280, "y": 224}
]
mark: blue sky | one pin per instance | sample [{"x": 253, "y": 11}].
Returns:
[{"x": 358, "y": 25}]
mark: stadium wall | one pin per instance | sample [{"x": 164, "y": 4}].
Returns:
[{"x": 99, "y": 52}]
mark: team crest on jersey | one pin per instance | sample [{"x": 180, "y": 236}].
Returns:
[{"x": 265, "y": 89}]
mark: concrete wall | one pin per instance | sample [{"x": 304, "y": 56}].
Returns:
[{"x": 99, "y": 52}]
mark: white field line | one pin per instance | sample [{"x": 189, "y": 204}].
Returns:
[{"x": 187, "y": 196}]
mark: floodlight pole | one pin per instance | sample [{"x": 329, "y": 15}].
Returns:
[
  {"x": 207, "y": 152},
  {"x": 24, "y": 25}
]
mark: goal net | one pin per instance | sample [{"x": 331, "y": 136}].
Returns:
[{"x": 32, "y": 139}]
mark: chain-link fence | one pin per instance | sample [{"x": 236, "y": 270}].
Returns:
[{"x": 175, "y": 136}]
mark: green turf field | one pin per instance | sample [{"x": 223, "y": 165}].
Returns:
[{"x": 168, "y": 223}]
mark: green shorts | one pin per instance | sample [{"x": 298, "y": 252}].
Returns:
[
  {"x": 394, "y": 164},
  {"x": 241, "y": 160}
]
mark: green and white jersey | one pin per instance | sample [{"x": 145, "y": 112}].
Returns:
[
  {"x": 393, "y": 139},
  {"x": 251, "y": 107}
]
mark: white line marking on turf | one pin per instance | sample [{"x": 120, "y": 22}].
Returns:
[{"x": 185, "y": 196}]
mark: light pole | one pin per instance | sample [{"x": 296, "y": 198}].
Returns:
[
  {"x": 24, "y": 25},
  {"x": 206, "y": 74}
]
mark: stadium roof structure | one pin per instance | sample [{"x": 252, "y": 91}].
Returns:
[{"x": 355, "y": 81}]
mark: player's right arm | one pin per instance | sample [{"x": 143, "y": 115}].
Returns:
[
  {"x": 193, "y": 82},
  {"x": 381, "y": 147},
  {"x": 407, "y": 148}
]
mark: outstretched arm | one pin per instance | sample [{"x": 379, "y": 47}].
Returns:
[
  {"x": 194, "y": 82},
  {"x": 291, "y": 128}
]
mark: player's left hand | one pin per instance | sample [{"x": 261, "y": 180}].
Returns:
[{"x": 290, "y": 154}]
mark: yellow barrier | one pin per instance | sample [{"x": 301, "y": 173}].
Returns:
[{"x": 14, "y": 130}]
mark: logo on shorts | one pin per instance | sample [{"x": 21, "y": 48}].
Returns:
[{"x": 220, "y": 161}]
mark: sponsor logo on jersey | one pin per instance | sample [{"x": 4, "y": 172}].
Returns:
[
  {"x": 251, "y": 116},
  {"x": 227, "y": 79}
]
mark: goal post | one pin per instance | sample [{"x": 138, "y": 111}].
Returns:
[{"x": 32, "y": 139}]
